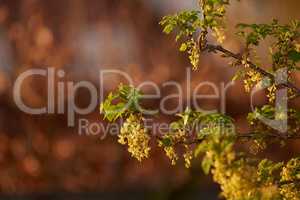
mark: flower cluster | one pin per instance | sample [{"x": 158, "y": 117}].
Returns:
[
  {"x": 252, "y": 77},
  {"x": 219, "y": 34},
  {"x": 188, "y": 156},
  {"x": 135, "y": 136},
  {"x": 214, "y": 13},
  {"x": 291, "y": 172},
  {"x": 171, "y": 154},
  {"x": 272, "y": 93},
  {"x": 168, "y": 143},
  {"x": 194, "y": 55}
]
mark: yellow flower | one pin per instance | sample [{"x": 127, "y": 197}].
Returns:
[
  {"x": 219, "y": 34},
  {"x": 252, "y": 78},
  {"x": 135, "y": 136},
  {"x": 272, "y": 91},
  {"x": 171, "y": 154},
  {"x": 170, "y": 150},
  {"x": 188, "y": 156}
]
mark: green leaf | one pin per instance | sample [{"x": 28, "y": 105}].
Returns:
[
  {"x": 201, "y": 148},
  {"x": 185, "y": 23},
  {"x": 294, "y": 56},
  {"x": 186, "y": 115},
  {"x": 175, "y": 126},
  {"x": 124, "y": 100},
  {"x": 113, "y": 112},
  {"x": 167, "y": 142},
  {"x": 168, "y": 29},
  {"x": 206, "y": 164}
]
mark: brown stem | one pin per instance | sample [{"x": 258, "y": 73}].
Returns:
[
  {"x": 289, "y": 182},
  {"x": 218, "y": 48},
  {"x": 248, "y": 136}
]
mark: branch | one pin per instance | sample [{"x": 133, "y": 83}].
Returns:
[
  {"x": 297, "y": 182},
  {"x": 269, "y": 135},
  {"x": 218, "y": 48},
  {"x": 248, "y": 136}
]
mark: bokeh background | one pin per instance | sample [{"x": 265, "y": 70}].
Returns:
[{"x": 42, "y": 158}]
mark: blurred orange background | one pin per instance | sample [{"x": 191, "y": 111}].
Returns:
[{"x": 41, "y": 155}]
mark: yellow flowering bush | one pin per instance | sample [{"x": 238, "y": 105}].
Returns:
[{"x": 241, "y": 176}]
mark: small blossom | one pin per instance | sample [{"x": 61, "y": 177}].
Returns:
[{"x": 135, "y": 136}]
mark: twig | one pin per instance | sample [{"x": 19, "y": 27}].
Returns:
[
  {"x": 240, "y": 136},
  {"x": 281, "y": 183},
  {"x": 218, "y": 48}
]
